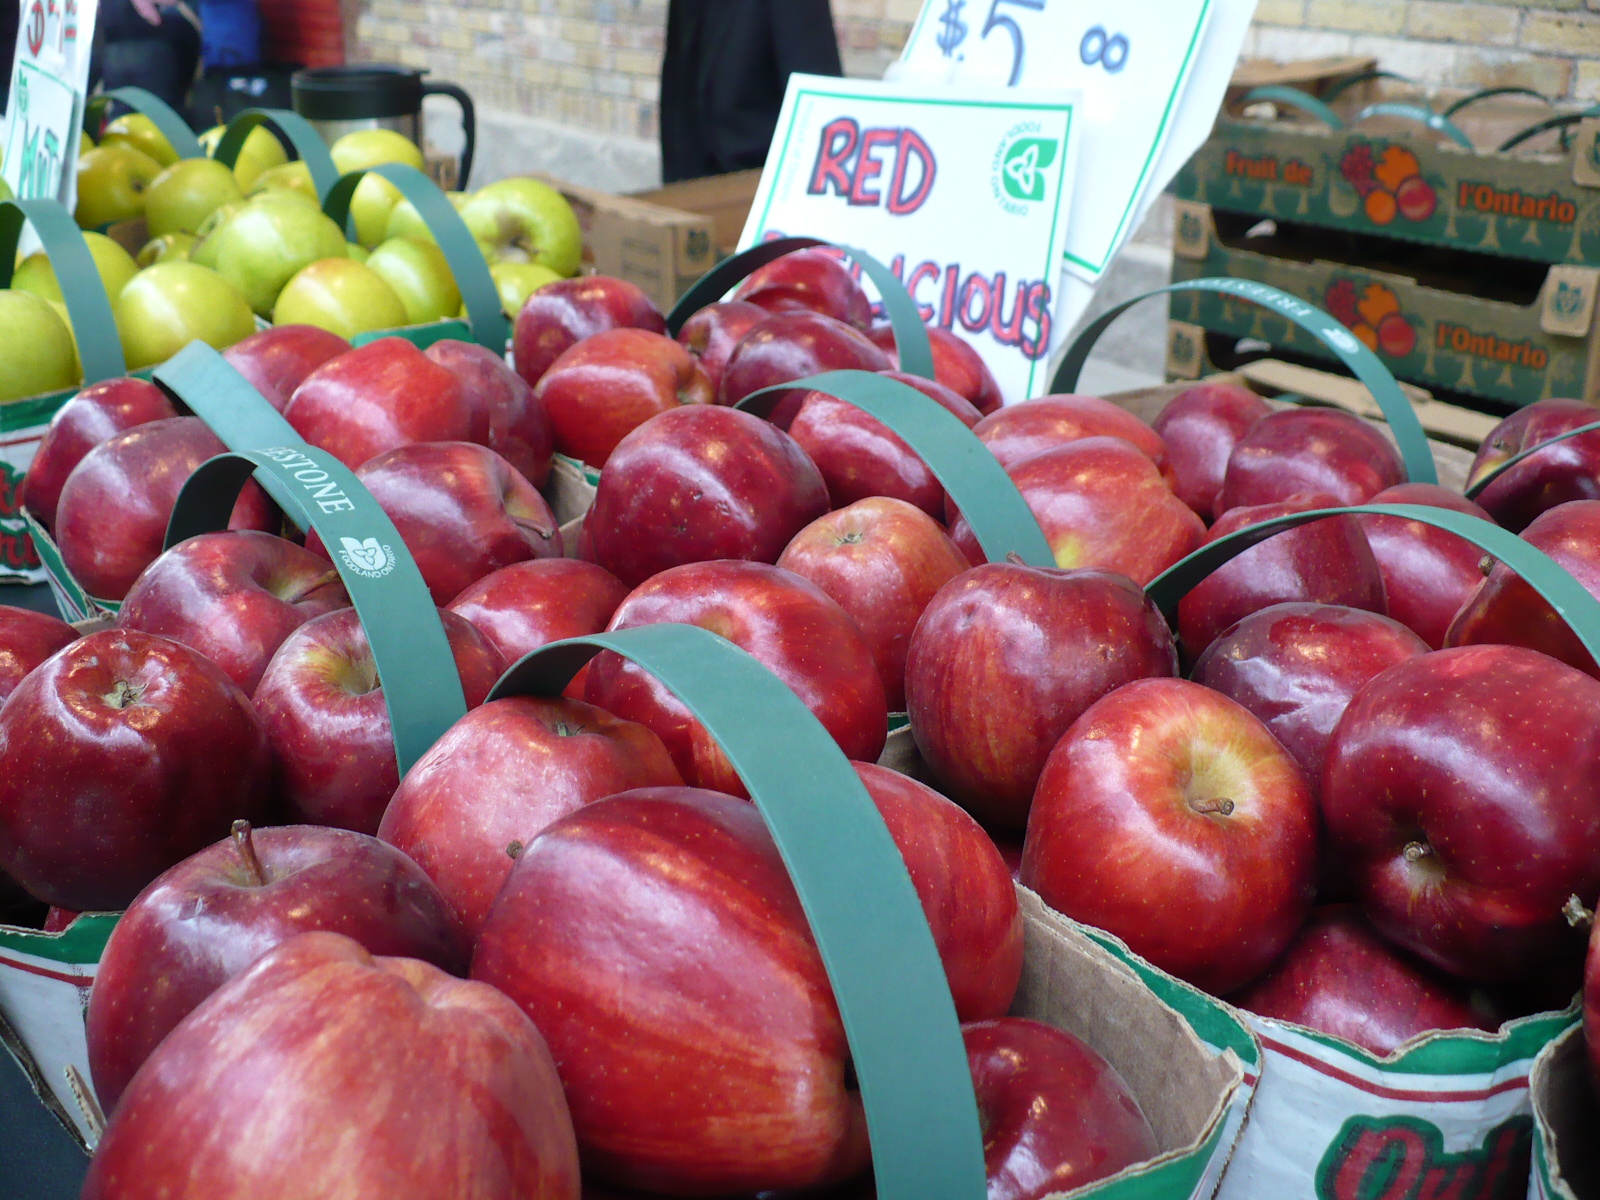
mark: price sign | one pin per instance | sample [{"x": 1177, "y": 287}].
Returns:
[{"x": 44, "y": 108}]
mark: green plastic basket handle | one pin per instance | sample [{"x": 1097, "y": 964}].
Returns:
[
  {"x": 1340, "y": 86},
  {"x": 293, "y": 131},
  {"x": 1476, "y": 490},
  {"x": 162, "y": 115},
  {"x": 1561, "y": 121},
  {"x": 1490, "y": 92},
  {"x": 905, "y": 1041},
  {"x": 1293, "y": 97},
  {"x": 88, "y": 306},
  {"x": 1363, "y": 363},
  {"x": 1000, "y": 518},
  {"x": 1566, "y": 595},
  {"x": 910, "y": 334},
  {"x": 1415, "y": 112},
  {"x": 490, "y": 326},
  {"x": 421, "y": 687}
]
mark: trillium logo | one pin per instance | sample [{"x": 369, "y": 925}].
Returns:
[
  {"x": 366, "y": 558},
  {"x": 1020, "y": 169}
]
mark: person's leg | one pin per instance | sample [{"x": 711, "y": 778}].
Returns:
[{"x": 159, "y": 58}]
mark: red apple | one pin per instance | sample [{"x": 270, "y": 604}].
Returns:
[
  {"x": 808, "y": 281},
  {"x": 277, "y": 360},
  {"x": 27, "y": 638},
  {"x": 531, "y": 604},
  {"x": 519, "y": 428},
  {"x": 1296, "y": 450},
  {"x": 1200, "y": 426},
  {"x": 561, "y": 314},
  {"x": 498, "y": 777},
  {"x": 99, "y": 412},
  {"x": 955, "y": 364},
  {"x": 1326, "y": 561},
  {"x": 882, "y": 560},
  {"x": 1340, "y": 978},
  {"x": 1428, "y": 574},
  {"x": 233, "y": 597},
  {"x": 255, "y": 890},
  {"x": 1023, "y": 430},
  {"x": 1461, "y": 793},
  {"x": 1056, "y": 1116},
  {"x": 323, "y": 708},
  {"x": 112, "y": 520},
  {"x": 786, "y": 622},
  {"x": 712, "y": 333},
  {"x": 323, "y": 1072},
  {"x": 790, "y": 346},
  {"x": 1169, "y": 816},
  {"x": 609, "y": 384},
  {"x": 1005, "y": 657},
  {"x": 698, "y": 483},
  {"x": 1563, "y": 471},
  {"x": 119, "y": 756},
  {"x": 381, "y": 396}
]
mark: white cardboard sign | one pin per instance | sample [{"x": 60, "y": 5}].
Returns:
[
  {"x": 963, "y": 190},
  {"x": 44, "y": 107}
]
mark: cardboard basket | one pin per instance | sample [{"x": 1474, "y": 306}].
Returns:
[{"x": 1566, "y": 1114}]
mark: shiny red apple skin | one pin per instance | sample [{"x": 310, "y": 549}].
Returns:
[
  {"x": 713, "y": 332},
  {"x": 1309, "y": 450},
  {"x": 112, "y": 519},
  {"x": 519, "y": 428},
  {"x": 1341, "y": 978},
  {"x": 381, "y": 396},
  {"x": 498, "y": 777},
  {"x": 882, "y": 560},
  {"x": 1506, "y": 610},
  {"x": 792, "y": 345},
  {"x": 233, "y": 597},
  {"x": 531, "y": 604},
  {"x": 1461, "y": 794},
  {"x": 275, "y": 361},
  {"x": 27, "y": 638},
  {"x": 343, "y": 1075},
  {"x": 1056, "y": 1116},
  {"x": 1005, "y": 658},
  {"x": 720, "y": 1067},
  {"x": 1428, "y": 574},
  {"x": 1169, "y": 816},
  {"x": 462, "y": 511},
  {"x": 608, "y": 385},
  {"x": 561, "y": 314},
  {"x": 1326, "y": 562},
  {"x": 161, "y": 961},
  {"x": 807, "y": 281},
  {"x": 1296, "y": 667},
  {"x": 1020, "y": 431},
  {"x": 955, "y": 364},
  {"x": 119, "y": 756},
  {"x": 788, "y": 623},
  {"x": 1100, "y": 503},
  {"x": 1563, "y": 471},
  {"x": 99, "y": 412},
  {"x": 700, "y": 483},
  {"x": 323, "y": 708},
  {"x": 1200, "y": 426}
]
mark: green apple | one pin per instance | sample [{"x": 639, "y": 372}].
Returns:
[
  {"x": 203, "y": 251},
  {"x": 340, "y": 295},
  {"x": 363, "y": 148},
  {"x": 266, "y": 243},
  {"x": 85, "y": 143},
  {"x": 420, "y": 275},
  {"x": 523, "y": 220},
  {"x": 406, "y": 221},
  {"x": 169, "y": 305},
  {"x": 39, "y": 353},
  {"x": 115, "y": 265},
  {"x": 374, "y": 199},
  {"x": 295, "y": 176},
  {"x": 140, "y": 132},
  {"x": 169, "y": 247},
  {"x": 5, "y": 191},
  {"x": 516, "y": 281},
  {"x": 261, "y": 152},
  {"x": 112, "y": 184},
  {"x": 357, "y": 252},
  {"x": 186, "y": 193}
]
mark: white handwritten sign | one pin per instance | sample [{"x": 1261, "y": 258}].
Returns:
[{"x": 44, "y": 107}]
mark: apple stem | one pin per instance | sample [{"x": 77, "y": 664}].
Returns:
[
  {"x": 850, "y": 539},
  {"x": 1416, "y": 851},
  {"x": 1015, "y": 559},
  {"x": 247, "y": 851},
  {"x": 123, "y": 693},
  {"x": 539, "y": 527},
  {"x": 513, "y": 848},
  {"x": 1576, "y": 914},
  {"x": 1220, "y": 807},
  {"x": 1486, "y": 564}
]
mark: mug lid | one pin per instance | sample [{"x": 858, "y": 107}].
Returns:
[{"x": 355, "y": 91}]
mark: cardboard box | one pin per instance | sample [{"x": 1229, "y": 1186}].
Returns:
[
  {"x": 726, "y": 199},
  {"x": 1566, "y": 1114}
]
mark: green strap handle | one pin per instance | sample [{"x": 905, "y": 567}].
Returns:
[
  {"x": 1340, "y": 86},
  {"x": 490, "y": 326},
  {"x": 1565, "y": 594},
  {"x": 162, "y": 115},
  {"x": 421, "y": 687},
  {"x": 1294, "y": 98},
  {"x": 1000, "y": 518},
  {"x": 93, "y": 324},
  {"x": 905, "y": 1042},
  {"x": 1561, "y": 121},
  {"x": 1476, "y": 489},
  {"x": 291, "y": 129},
  {"x": 1489, "y": 92},
  {"x": 1419, "y": 114},
  {"x": 1363, "y": 363},
  {"x": 910, "y": 334}
]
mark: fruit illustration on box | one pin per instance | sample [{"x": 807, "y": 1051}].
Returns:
[
  {"x": 1373, "y": 314},
  {"x": 1389, "y": 182}
]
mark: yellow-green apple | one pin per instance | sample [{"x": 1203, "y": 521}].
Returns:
[
  {"x": 266, "y": 243},
  {"x": 1200, "y": 426},
  {"x": 115, "y": 265},
  {"x": 261, "y": 152},
  {"x": 559, "y": 315},
  {"x": 323, "y": 708},
  {"x": 112, "y": 182},
  {"x": 1020, "y": 431},
  {"x": 363, "y": 148},
  {"x": 420, "y": 275},
  {"x": 27, "y": 638},
  {"x": 340, "y": 295},
  {"x": 406, "y": 221},
  {"x": 525, "y": 220},
  {"x": 169, "y": 247},
  {"x": 515, "y": 282},
  {"x": 955, "y": 364},
  {"x": 701, "y": 482},
  {"x": 40, "y": 355},
  {"x": 363, "y": 1055},
  {"x": 295, "y": 176},
  {"x": 163, "y": 753},
  {"x": 356, "y": 252},
  {"x": 370, "y": 207},
  {"x": 166, "y": 306},
  {"x": 1428, "y": 574},
  {"x": 187, "y": 192},
  {"x": 519, "y": 427},
  {"x": 813, "y": 280},
  {"x": 256, "y": 890},
  {"x": 1170, "y": 817},
  {"x": 1565, "y": 470},
  {"x": 204, "y": 248},
  {"x": 1005, "y": 658},
  {"x": 789, "y": 625},
  {"x": 790, "y": 346},
  {"x": 712, "y": 332},
  {"x": 232, "y": 596},
  {"x": 275, "y": 361},
  {"x": 1322, "y": 450},
  {"x": 139, "y": 131}
]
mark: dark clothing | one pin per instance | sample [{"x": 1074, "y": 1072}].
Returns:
[
  {"x": 129, "y": 51},
  {"x": 723, "y": 77}
]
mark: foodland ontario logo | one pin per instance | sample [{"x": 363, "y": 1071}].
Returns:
[
  {"x": 1020, "y": 170},
  {"x": 366, "y": 558}
]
